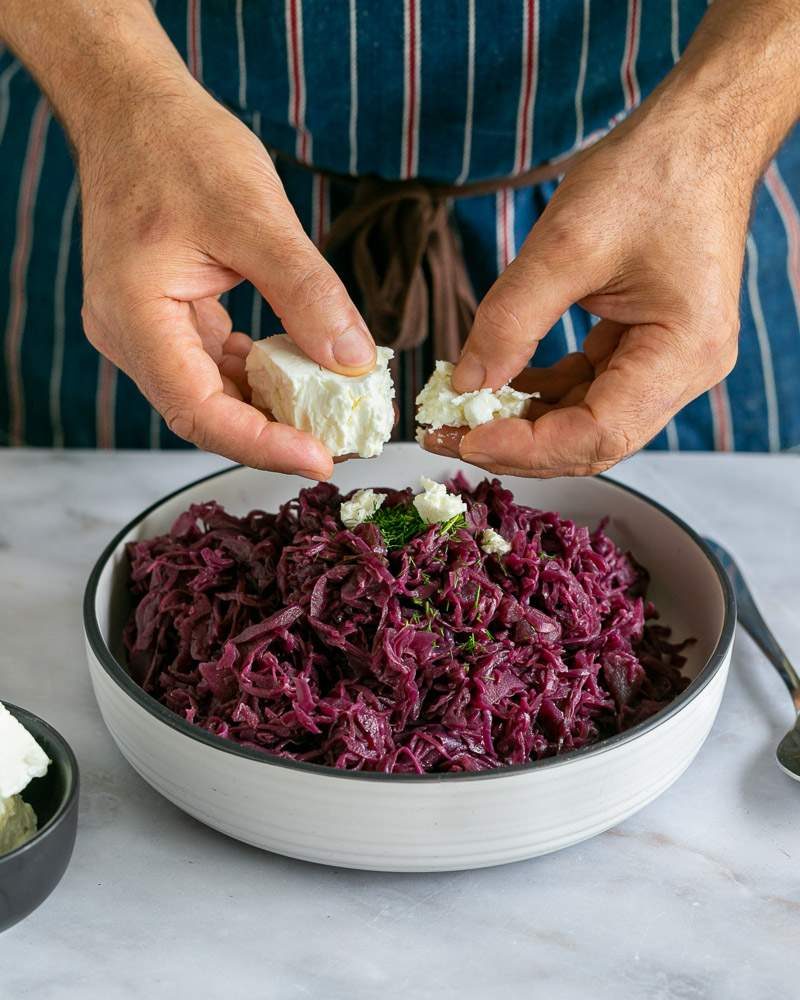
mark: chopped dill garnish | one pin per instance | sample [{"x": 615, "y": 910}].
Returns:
[
  {"x": 470, "y": 645},
  {"x": 398, "y": 524},
  {"x": 455, "y": 522}
]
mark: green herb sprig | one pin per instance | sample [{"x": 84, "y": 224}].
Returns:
[
  {"x": 398, "y": 525},
  {"x": 453, "y": 524}
]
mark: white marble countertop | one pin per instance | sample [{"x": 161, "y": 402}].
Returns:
[{"x": 697, "y": 897}]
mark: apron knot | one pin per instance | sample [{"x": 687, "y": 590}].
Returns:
[{"x": 398, "y": 244}]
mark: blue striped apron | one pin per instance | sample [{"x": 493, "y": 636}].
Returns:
[{"x": 448, "y": 90}]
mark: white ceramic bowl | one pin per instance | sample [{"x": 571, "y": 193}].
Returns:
[{"x": 422, "y": 822}]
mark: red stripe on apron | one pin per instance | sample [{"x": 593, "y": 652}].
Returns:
[
  {"x": 721, "y": 416},
  {"x": 105, "y": 403},
  {"x": 320, "y": 210},
  {"x": 791, "y": 224},
  {"x": 193, "y": 39},
  {"x": 524, "y": 114},
  {"x": 630, "y": 83},
  {"x": 297, "y": 111},
  {"x": 18, "y": 306},
  {"x": 411, "y": 84}
]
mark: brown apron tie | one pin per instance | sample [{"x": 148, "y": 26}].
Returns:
[{"x": 405, "y": 257}]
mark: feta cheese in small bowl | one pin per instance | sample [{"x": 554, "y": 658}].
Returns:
[{"x": 38, "y": 811}]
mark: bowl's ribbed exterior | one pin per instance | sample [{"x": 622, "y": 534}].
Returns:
[{"x": 407, "y": 825}]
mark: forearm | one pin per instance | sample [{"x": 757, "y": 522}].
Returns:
[
  {"x": 738, "y": 82},
  {"x": 92, "y": 56}
]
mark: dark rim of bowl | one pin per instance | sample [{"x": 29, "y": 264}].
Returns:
[
  {"x": 73, "y": 783},
  {"x": 120, "y": 676}
]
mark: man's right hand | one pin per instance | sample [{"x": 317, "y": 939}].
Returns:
[{"x": 180, "y": 203}]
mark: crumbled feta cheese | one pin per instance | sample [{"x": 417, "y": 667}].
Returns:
[
  {"x": 360, "y": 507},
  {"x": 481, "y": 407},
  {"x": 493, "y": 543},
  {"x": 435, "y": 505},
  {"x": 21, "y": 757},
  {"x": 351, "y": 416},
  {"x": 438, "y": 405}
]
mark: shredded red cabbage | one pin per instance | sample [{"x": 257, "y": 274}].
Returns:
[{"x": 293, "y": 635}]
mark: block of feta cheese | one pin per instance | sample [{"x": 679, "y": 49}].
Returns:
[
  {"x": 360, "y": 507},
  {"x": 21, "y": 757},
  {"x": 351, "y": 416},
  {"x": 439, "y": 405},
  {"x": 435, "y": 505}
]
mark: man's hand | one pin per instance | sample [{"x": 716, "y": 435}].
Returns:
[
  {"x": 180, "y": 203},
  {"x": 633, "y": 238},
  {"x": 646, "y": 231}
]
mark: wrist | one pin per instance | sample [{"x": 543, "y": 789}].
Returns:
[
  {"x": 733, "y": 95},
  {"x": 728, "y": 133}
]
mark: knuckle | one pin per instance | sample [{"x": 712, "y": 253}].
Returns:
[
  {"x": 719, "y": 347},
  {"x": 612, "y": 443},
  {"x": 91, "y": 326},
  {"x": 97, "y": 334},
  {"x": 562, "y": 226},
  {"x": 313, "y": 287},
  {"x": 718, "y": 338},
  {"x": 183, "y": 422},
  {"x": 726, "y": 358},
  {"x": 565, "y": 237},
  {"x": 498, "y": 317}
]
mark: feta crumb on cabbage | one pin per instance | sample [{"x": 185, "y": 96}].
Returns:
[
  {"x": 360, "y": 507},
  {"x": 493, "y": 543},
  {"x": 435, "y": 505}
]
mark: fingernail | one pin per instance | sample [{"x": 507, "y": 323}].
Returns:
[
  {"x": 476, "y": 458},
  {"x": 469, "y": 374},
  {"x": 315, "y": 474},
  {"x": 353, "y": 349}
]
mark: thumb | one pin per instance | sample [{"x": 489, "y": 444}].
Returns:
[
  {"x": 528, "y": 298},
  {"x": 277, "y": 256}
]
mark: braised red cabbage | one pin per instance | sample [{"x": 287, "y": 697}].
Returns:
[{"x": 292, "y": 635}]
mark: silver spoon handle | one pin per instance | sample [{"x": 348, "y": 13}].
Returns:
[{"x": 751, "y": 619}]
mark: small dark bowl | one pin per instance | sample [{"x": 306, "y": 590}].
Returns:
[{"x": 29, "y": 873}]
